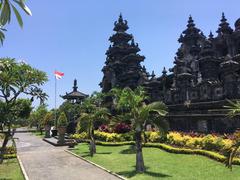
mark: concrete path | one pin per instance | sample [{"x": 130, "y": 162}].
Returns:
[{"x": 43, "y": 161}]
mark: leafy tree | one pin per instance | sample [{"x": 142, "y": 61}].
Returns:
[
  {"x": 6, "y": 8},
  {"x": 62, "y": 123},
  {"x": 71, "y": 110},
  {"x": 36, "y": 117},
  {"x": 48, "y": 119},
  {"x": 234, "y": 110},
  {"x": 21, "y": 110},
  {"x": 62, "y": 120},
  {"x": 16, "y": 79},
  {"x": 92, "y": 111},
  {"x": 131, "y": 103}
]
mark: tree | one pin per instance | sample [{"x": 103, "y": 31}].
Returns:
[
  {"x": 6, "y": 8},
  {"x": 131, "y": 103},
  {"x": 16, "y": 79},
  {"x": 234, "y": 110},
  {"x": 36, "y": 117},
  {"x": 92, "y": 111},
  {"x": 21, "y": 111},
  {"x": 71, "y": 110}
]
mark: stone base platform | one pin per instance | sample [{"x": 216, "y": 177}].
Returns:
[{"x": 54, "y": 141}]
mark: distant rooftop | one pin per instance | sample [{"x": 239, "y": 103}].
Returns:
[{"x": 75, "y": 95}]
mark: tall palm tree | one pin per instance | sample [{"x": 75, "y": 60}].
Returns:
[
  {"x": 132, "y": 104},
  {"x": 234, "y": 110},
  {"x": 91, "y": 111},
  {"x": 6, "y": 9}
]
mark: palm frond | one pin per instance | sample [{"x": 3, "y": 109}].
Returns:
[
  {"x": 233, "y": 108},
  {"x": 158, "y": 107},
  {"x": 231, "y": 155}
]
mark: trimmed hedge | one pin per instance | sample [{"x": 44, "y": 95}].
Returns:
[
  {"x": 9, "y": 156},
  {"x": 115, "y": 144},
  {"x": 210, "y": 154}
]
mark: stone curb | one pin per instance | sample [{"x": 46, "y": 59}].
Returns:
[
  {"x": 22, "y": 168},
  {"x": 110, "y": 172}
]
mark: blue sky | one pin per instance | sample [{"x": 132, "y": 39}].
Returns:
[{"x": 72, "y": 36}]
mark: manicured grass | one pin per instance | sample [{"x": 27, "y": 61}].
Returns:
[
  {"x": 10, "y": 169},
  {"x": 39, "y": 134},
  {"x": 159, "y": 164}
]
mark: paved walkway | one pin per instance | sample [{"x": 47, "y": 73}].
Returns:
[{"x": 43, "y": 161}]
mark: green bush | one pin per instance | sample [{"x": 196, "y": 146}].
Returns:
[
  {"x": 62, "y": 120},
  {"x": 48, "y": 119},
  {"x": 81, "y": 136},
  {"x": 210, "y": 154},
  {"x": 210, "y": 142},
  {"x": 9, "y": 156},
  {"x": 82, "y": 125},
  {"x": 108, "y": 137}
]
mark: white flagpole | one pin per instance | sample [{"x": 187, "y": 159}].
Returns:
[{"x": 55, "y": 124}]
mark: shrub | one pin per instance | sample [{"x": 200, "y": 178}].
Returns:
[
  {"x": 104, "y": 128},
  {"x": 128, "y": 136},
  {"x": 62, "y": 120},
  {"x": 175, "y": 139},
  {"x": 211, "y": 142},
  {"x": 108, "y": 137},
  {"x": 81, "y": 136},
  {"x": 82, "y": 125},
  {"x": 197, "y": 142},
  {"x": 122, "y": 128},
  {"x": 155, "y": 137},
  {"x": 48, "y": 119}
]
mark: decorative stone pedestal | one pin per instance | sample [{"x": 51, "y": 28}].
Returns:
[
  {"x": 61, "y": 135},
  {"x": 47, "y": 131}
]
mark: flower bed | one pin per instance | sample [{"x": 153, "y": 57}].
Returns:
[{"x": 210, "y": 142}]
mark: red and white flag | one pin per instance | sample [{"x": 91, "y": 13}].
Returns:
[{"x": 58, "y": 74}]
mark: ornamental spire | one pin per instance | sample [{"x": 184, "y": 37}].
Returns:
[
  {"x": 190, "y": 22},
  {"x": 210, "y": 36},
  {"x": 164, "y": 72},
  {"x": 75, "y": 85},
  {"x": 224, "y": 27},
  {"x": 120, "y": 25}
]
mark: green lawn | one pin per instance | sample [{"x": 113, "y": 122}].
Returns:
[
  {"x": 10, "y": 169},
  {"x": 37, "y": 133},
  {"x": 160, "y": 164}
]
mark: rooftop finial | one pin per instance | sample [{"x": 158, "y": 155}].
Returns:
[
  {"x": 120, "y": 24},
  {"x": 120, "y": 19},
  {"x": 132, "y": 42},
  {"x": 190, "y": 22},
  {"x": 164, "y": 71},
  {"x": 153, "y": 74},
  {"x": 75, "y": 85},
  {"x": 223, "y": 17},
  {"x": 224, "y": 27},
  {"x": 210, "y": 36}
]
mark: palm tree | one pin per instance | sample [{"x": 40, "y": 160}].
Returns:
[
  {"x": 234, "y": 110},
  {"x": 132, "y": 104},
  {"x": 91, "y": 111},
  {"x": 6, "y": 9}
]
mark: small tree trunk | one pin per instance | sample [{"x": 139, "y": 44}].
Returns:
[
  {"x": 92, "y": 146},
  {"x": 139, "y": 155},
  {"x": 94, "y": 143},
  {"x": 4, "y": 145}
]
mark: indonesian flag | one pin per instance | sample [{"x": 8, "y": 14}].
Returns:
[{"x": 58, "y": 74}]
